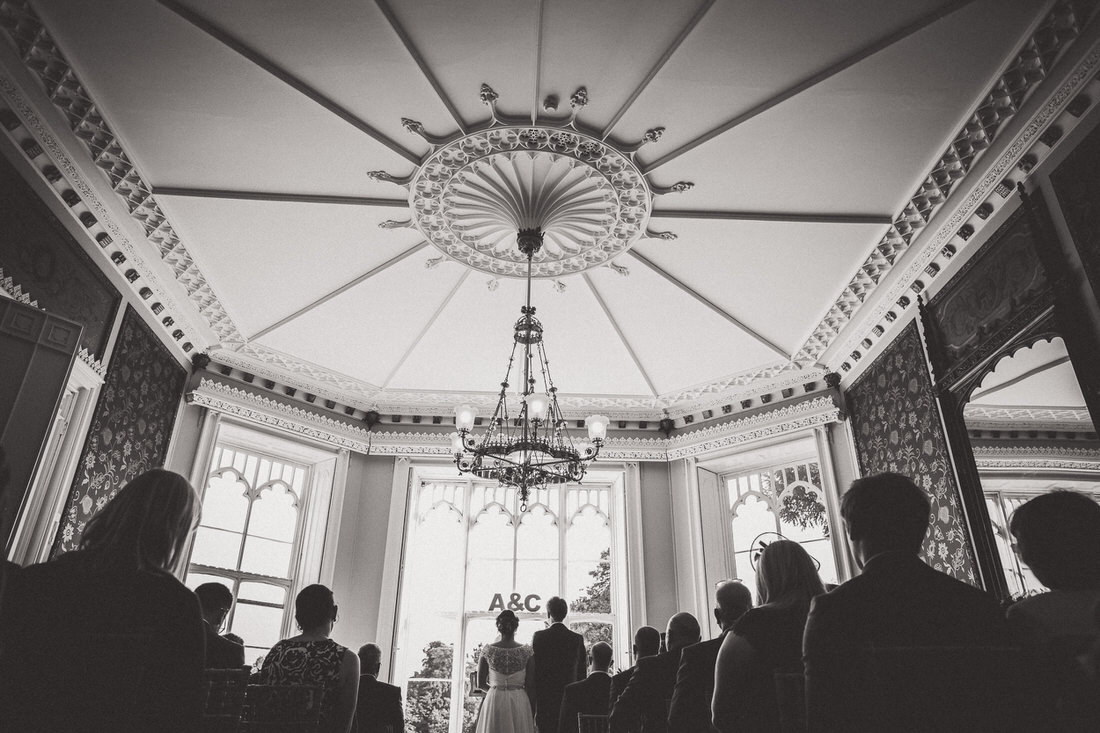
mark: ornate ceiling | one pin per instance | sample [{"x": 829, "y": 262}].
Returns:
[{"x": 734, "y": 194}]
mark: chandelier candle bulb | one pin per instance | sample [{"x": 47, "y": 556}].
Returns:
[
  {"x": 464, "y": 417},
  {"x": 537, "y": 404},
  {"x": 597, "y": 427}
]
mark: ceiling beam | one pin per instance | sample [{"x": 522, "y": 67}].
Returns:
[
  {"x": 421, "y": 63},
  {"x": 709, "y": 304},
  {"x": 619, "y": 332},
  {"x": 294, "y": 198},
  {"x": 1019, "y": 378},
  {"x": 343, "y": 288},
  {"x": 538, "y": 61},
  {"x": 287, "y": 78},
  {"x": 869, "y": 50},
  {"x": 672, "y": 47},
  {"x": 801, "y": 217},
  {"x": 423, "y": 332}
]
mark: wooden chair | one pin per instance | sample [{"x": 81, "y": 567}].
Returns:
[
  {"x": 282, "y": 709},
  {"x": 592, "y": 723},
  {"x": 223, "y": 699},
  {"x": 790, "y": 695}
]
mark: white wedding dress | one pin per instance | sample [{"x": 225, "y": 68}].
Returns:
[{"x": 506, "y": 707}]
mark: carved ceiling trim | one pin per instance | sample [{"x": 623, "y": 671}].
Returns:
[
  {"x": 1024, "y": 415},
  {"x": 1034, "y": 458},
  {"x": 256, "y": 408},
  {"x": 1031, "y": 66},
  {"x": 43, "y": 58},
  {"x": 729, "y": 390}
]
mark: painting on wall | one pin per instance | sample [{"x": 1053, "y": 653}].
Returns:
[
  {"x": 897, "y": 428},
  {"x": 131, "y": 426},
  {"x": 43, "y": 259}
]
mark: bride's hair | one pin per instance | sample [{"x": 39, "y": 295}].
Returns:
[{"x": 507, "y": 623}]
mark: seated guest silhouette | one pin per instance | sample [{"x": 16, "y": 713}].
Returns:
[
  {"x": 1057, "y": 535},
  {"x": 215, "y": 600},
  {"x": 897, "y": 601},
  {"x": 590, "y": 695},
  {"x": 379, "y": 707},
  {"x": 690, "y": 708},
  {"x": 765, "y": 640},
  {"x": 645, "y": 700},
  {"x": 313, "y": 659},
  {"x": 559, "y": 660},
  {"x": 647, "y": 641},
  {"x": 104, "y": 638}
]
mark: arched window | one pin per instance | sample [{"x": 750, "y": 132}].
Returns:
[
  {"x": 469, "y": 553},
  {"x": 248, "y": 539}
]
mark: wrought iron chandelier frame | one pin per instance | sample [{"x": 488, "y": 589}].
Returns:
[{"x": 534, "y": 449}]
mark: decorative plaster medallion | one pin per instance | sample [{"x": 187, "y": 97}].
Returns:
[
  {"x": 473, "y": 192},
  {"x": 470, "y": 197}
]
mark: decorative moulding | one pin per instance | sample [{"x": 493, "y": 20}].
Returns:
[
  {"x": 252, "y": 407},
  {"x": 780, "y": 421},
  {"x": 87, "y": 197},
  {"x": 270, "y": 364},
  {"x": 945, "y": 176},
  {"x": 1034, "y": 458},
  {"x": 42, "y": 57}
]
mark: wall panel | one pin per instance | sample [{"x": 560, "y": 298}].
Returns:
[{"x": 896, "y": 425}]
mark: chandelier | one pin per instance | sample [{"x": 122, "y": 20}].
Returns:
[{"x": 529, "y": 448}]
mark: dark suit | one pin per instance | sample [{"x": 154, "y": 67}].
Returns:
[
  {"x": 559, "y": 661},
  {"x": 221, "y": 653},
  {"x": 898, "y": 601},
  {"x": 589, "y": 696},
  {"x": 618, "y": 684},
  {"x": 644, "y": 699},
  {"x": 378, "y": 706},
  {"x": 691, "y": 697}
]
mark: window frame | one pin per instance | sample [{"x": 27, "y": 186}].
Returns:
[{"x": 612, "y": 479}]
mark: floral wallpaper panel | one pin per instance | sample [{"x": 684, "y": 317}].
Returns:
[
  {"x": 131, "y": 426},
  {"x": 897, "y": 427}
]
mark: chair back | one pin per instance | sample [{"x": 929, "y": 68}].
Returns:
[
  {"x": 946, "y": 688},
  {"x": 790, "y": 694},
  {"x": 282, "y": 709},
  {"x": 592, "y": 723},
  {"x": 223, "y": 692}
]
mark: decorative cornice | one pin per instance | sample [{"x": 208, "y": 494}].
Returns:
[
  {"x": 256, "y": 408},
  {"x": 272, "y": 413},
  {"x": 1027, "y": 418},
  {"x": 1034, "y": 458},
  {"x": 780, "y": 421},
  {"x": 947, "y": 173},
  {"x": 42, "y": 57},
  {"x": 270, "y": 364}
]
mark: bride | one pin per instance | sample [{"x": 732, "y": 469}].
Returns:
[{"x": 504, "y": 667}]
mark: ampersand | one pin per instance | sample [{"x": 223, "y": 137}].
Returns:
[{"x": 514, "y": 602}]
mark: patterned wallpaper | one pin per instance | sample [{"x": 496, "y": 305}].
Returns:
[
  {"x": 40, "y": 256},
  {"x": 897, "y": 428},
  {"x": 131, "y": 426}
]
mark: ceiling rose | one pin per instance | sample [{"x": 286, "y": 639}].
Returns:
[{"x": 473, "y": 192}]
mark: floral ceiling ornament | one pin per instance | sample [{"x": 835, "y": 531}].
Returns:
[{"x": 473, "y": 192}]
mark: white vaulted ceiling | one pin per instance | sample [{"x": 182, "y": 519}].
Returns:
[{"x": 805, "y": 127}]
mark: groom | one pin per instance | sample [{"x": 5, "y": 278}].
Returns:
[{"x": 559, "y": 661}]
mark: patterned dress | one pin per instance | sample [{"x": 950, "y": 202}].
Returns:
[
  {"x": 506, "y": 708},
  {"x": 313, "y": 663}
]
